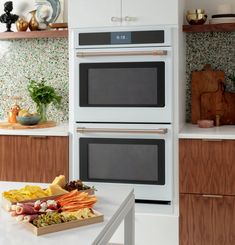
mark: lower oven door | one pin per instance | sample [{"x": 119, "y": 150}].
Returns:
[{"x": 137, "y": 155}]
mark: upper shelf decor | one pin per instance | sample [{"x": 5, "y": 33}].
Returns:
[
  {"x": 196, "y": 17},
  {"x": 8, "y": 18},
  {"x": 48, "y": 11},
  {"x": 226, "y": 27},
  {"x": 34, "y": 34}
]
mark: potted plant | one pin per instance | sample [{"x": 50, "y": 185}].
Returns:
[{"x": 43, "y": 95}]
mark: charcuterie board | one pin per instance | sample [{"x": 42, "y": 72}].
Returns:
[
  {"x": 62, "y": 205},
  {"x": 7, "y": 125},
  {"x": 98, "y": 218}
]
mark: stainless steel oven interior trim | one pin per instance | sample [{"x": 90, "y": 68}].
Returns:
[
  {"x": 124, "y": 53},
  {"x": 118, "y": 130}
]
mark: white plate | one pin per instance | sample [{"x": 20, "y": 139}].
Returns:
[{"x": 222, "y": 20}]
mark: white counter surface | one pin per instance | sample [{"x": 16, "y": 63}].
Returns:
[
  {"x": 192, "y": 131},
  {"x": 60, "y": 130}
]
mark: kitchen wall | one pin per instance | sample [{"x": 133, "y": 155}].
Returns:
[
  {"x": 33, "y": 58},
  {"x": 217, "y": 49}
]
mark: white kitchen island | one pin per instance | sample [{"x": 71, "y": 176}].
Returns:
[{"x": 115, "y": 202}]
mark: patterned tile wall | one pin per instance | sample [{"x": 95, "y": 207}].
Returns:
[
  {"x": 215, "y": 48},
  {"x": 33, "y": 58}
]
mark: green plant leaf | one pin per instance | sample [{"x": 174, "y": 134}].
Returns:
[{"x": 42, "y": 93}]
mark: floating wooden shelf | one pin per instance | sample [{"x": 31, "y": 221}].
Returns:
[
  {"x": 225, "y": 27},
  {"x": 34, "y": 34}
]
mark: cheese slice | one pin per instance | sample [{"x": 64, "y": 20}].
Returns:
[
  {"x": 60, "y": 181},
  {"x": 54, "y": 190}
]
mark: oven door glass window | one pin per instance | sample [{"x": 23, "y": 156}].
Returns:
[
  {"x": 135, "y": 84},
  {"x": 139, "y": 161}
]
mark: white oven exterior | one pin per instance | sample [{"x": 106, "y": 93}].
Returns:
[
  {"x": 126, "y": 114},
  {"x": 122, "y": 114},
  {"x": 130, "y": 131}
]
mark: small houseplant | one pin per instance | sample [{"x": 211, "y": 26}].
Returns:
[{"x": 43, "y": 95}]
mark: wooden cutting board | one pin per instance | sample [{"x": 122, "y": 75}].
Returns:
[
  {"x": 6, "y": 125},
  {"x": 219, "y": 103},
  {"x": 203, "y": 81}
]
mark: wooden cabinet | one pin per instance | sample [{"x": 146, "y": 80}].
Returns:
[
  {"x": 33, "y": 158},
  {"x": 110, "y": 13},
  {"x": 207, "y": 192},
  {"x": 207, "y": 220},
  {"x": 207, "y": 167}
]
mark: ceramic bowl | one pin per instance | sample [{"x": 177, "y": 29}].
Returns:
[{"x": 31, "y": 120}]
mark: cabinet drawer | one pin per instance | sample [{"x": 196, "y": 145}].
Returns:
[
  {"x": 207, "y": 220},
  {"x": 207, "y": 167}
]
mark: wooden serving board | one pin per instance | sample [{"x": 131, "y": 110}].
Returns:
[
  {"x": 203, "y": 81},
  {"x": 64, "y": 226},
  {"x": 219, "y": 103},
  {"x": 7, "y": 125}
]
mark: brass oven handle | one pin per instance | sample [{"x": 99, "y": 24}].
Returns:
[
  {"x": 126, "y": 53},
  {"x": 118, "y": 130}
]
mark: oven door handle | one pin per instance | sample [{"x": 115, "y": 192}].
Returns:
[
  {"x": 119, "y": 130},
  {"x": 124, "y": 53}
]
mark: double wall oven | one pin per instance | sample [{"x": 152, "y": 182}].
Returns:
[{"x": 122, "y": 106}]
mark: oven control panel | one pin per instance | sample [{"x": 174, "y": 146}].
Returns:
[{"x": 124, "y": 37}]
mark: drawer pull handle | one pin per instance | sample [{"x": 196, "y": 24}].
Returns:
[
  {"x": 212, "y": 140},
  {"x": 38, "y": 137},
  {"x": 118, "y": 130},
  {"x": 213, "y": 196}
]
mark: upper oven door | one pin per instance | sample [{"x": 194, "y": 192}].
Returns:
[{"x": 123, "y": 85}]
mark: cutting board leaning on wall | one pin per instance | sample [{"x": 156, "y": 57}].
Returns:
[
  {"x": 209, "y": 98},
  {"x": 204, "y": 81}
]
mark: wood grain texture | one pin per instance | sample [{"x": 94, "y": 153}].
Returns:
[
  {"x": 195, "y": 220},
  {"x": 7, "y": 125},
  {"x": 49, "y": 157},
  {"x": 207, "y": 167},
  {"x": 218, "y": 103},
  {"x": 207, "y": 221},
  {"x": 224, "y": 27},
  {"x": 203, "y": 81},
  {"x": 33, "y": 159},
  {"x": 34, "y": 34}
]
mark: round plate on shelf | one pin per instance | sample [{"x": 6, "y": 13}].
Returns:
[
  {"x": 47, "y": 10},
  {"x": 222, "y": 16},
  {"x": 222, "y": 20}
]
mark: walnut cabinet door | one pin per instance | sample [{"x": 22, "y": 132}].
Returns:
[
  {"x": 207, "y": 167},
  {"x": 33, "y": 158},
  {"x": 207, "y": 220}
]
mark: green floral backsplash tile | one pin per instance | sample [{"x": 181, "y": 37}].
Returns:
[
  {"x": 34, "y": 58},
  {"x": 217, "y": 49}
]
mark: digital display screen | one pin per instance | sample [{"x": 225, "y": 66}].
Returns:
[{"x": 120, "y": 37}]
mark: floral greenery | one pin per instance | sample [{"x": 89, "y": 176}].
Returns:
[{"x": 43, "y": 94}]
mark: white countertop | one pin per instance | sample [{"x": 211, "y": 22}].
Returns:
[
  {"x": 192, "y": 131},
  {"x": 59, "y": 130},
  {"x": 112, "y": 201}
]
